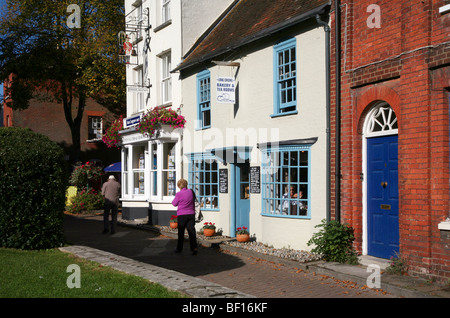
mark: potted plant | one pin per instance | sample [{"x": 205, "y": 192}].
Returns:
[
  {"x": 242, "y": 234},
  {"x": 209, "y": 229},
  {"x": 173, "y": 222}
]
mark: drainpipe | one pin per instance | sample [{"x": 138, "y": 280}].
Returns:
[
  {"x": 337, "y": 33},
  {"x": 327, "y": 66}
]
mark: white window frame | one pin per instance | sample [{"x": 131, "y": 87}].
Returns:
[
  {"x": 165, "y": 11},
  {"x": 166, "y": 78},
  {"x": 139, "y": 97},
  {"x": 96, "y": 121}
]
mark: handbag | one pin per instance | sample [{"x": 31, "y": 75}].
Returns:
[{"x": 198, "y": 212}]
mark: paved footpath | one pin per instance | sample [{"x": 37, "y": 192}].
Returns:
[{"x": 229, "y": 273}]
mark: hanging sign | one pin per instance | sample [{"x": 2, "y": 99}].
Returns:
[{"x": 226, "y": 90}]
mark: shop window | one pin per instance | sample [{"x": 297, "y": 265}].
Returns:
[
  {"x": 286, "y": 181},
  {"x": 125, "y": 175},
  {"x": 154, "y": 170},
  {"x": 204, "y": 180},
  {"x": 169, "y": 169},
  {"x": 138, "y": 167}
]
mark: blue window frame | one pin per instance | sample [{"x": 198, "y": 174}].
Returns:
[
  {"x": 286, "y": 181},
  {"x": 204, "y": 180},
  {"x": 285, "y": 81},
  {"x": 204, "y": 100}
]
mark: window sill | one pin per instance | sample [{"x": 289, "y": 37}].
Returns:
[
  {"x": 163, "y": 25},
  {"x": 295, "y": 112},
  {"x": 165, "y": 105},
  {"x": 202, "y": 128},
  {"x": 130, "y": 199},
  {"x": 286, "y": 216},
  {"x": 94, "y": 140},
  {"x": 210, "y": 210}
]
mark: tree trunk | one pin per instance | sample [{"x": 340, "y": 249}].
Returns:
[{"x": 74, "y": 124}]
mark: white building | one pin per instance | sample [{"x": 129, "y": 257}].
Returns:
[
  {"x": 255, "y": 102},
  {"x": 158, "y": 33}
]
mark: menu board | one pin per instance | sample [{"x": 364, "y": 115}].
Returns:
[
  {"x": 255, "y": 180},
  {"x": 223, "y": 180}
]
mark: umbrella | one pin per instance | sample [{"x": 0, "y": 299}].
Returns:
[{"x": 115, "y": 167}]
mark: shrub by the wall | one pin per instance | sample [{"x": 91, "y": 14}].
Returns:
[
  {"x": 86, "y": 201},
  {"x": 33, "y": 182}
]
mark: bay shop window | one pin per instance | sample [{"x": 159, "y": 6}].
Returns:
[
  {"x": 150, "y": 170},
  {"x": 286, "y": 181}
]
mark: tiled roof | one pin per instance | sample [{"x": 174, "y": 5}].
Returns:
[{"x": 249, "y": 20}]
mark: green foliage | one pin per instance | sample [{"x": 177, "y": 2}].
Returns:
[
  {"x": 33, "y": 180},
  {"x": 85, "y": 173},
  {"x": 86, "y": 201},
  {"x": 66, "y": 65},
  {"x": 334, "y": 242},
  {"x": 398, "y": 266}
]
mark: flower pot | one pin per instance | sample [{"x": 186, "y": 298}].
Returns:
[
  {"x": 173, "y": 225},
  {"x": 242, "y": 237},
  {"x": 209, "y": 232}
]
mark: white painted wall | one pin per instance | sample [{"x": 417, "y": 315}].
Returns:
[{"x": 252, "y": 124}]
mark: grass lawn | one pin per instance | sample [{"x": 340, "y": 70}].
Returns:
[{"x": 43, "y": 274}]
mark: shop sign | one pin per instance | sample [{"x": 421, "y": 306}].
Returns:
[
  {"x": 226, "y": 90},
  {"x": 132, "y": 121}
]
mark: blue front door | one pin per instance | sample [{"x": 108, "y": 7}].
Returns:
[
  {"x": 242, "y": 199},
  {"x": 382, "y": 196}
]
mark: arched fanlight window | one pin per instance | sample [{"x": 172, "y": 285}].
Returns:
[{"x": 381, "y": 120}]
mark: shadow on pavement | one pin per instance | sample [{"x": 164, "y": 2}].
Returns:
[{"x": 147, "y": 247}]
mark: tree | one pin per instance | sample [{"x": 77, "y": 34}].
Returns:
[{"x": 70, "y": 64}]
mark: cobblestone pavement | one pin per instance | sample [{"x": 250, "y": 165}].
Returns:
[{"x": 235, "y": 270}]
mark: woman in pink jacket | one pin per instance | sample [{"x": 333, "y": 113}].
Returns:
[{"x": 185, "y": 202}]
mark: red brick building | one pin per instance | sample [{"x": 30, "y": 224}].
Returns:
[
  {"x": 47, "y": 117},
  {"x": 394, "y": 129}
]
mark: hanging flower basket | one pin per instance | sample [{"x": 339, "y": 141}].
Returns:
[
  {"x": 154, "y": 119},
  {"x": 111, "y": 136}
]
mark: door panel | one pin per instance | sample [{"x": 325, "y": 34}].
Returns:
[
  {"x": 242, "y": 195},
  {"x": 382, "y": 196}
]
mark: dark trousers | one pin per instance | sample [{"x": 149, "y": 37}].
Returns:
[
  {"x": 186, "y": 222},
  {"x": 110, "y": 206}
]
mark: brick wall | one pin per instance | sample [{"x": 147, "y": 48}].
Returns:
[
  {"x": 405, "y": 63},
  {"x": 47, "y": 117}
]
